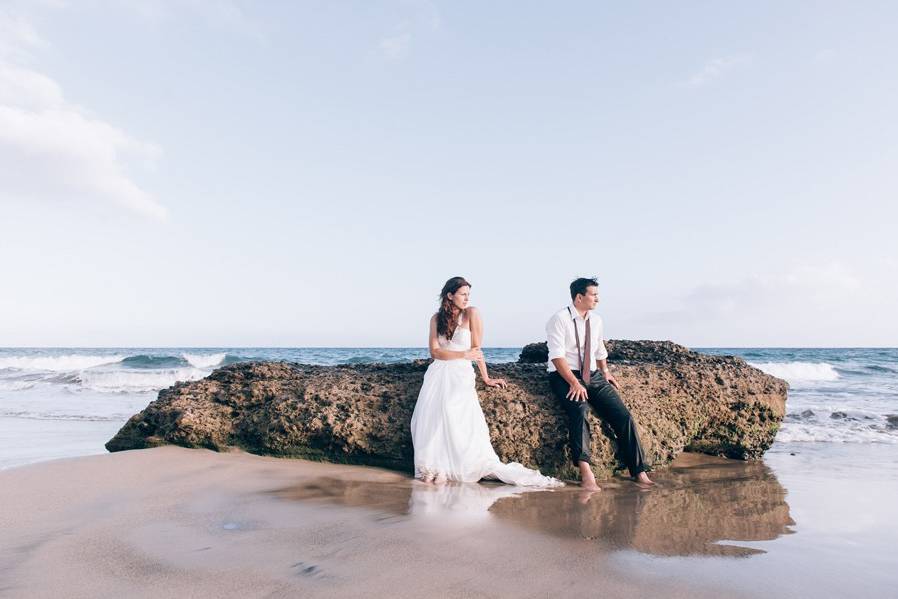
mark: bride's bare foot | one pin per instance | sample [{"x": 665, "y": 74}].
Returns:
[
  {"x": 643, "y": 479},
  {"x": 590, "y": 486},
  {"x": 440, "y": 479}
]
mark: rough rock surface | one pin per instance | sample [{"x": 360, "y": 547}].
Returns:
[{"x": 360, "y": 413}]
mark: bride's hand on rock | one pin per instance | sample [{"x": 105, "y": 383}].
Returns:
[
  {"x": 475, "y": 353},
  {"x": 496, "y": 383}
]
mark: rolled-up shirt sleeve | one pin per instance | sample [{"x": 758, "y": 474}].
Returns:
[
  {"x": 555, "y": 338},
  {"x": 601, "y": 352}
]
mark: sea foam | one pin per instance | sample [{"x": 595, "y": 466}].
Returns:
[
  {"x": 799, "y": 372},
  {"x": 58, "y": 363},
  {"x": 836, "y": 433},
  {"x": 134, "y": 381}
]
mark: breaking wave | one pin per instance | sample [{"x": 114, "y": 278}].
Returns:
[
  {"x": 123, "y": 381},
  {"x": 853, "y": 432},
  {"x": 205, "y": 360},
  {"x": 58, "y": 363},
  {"x": 799, "y": 372},
  {"x": 112, "y": 373}
]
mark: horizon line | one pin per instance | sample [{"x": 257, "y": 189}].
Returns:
[{"x": 424, "y": 347}]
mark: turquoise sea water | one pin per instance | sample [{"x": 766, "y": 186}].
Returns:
[{"x": 63, "y": 402}]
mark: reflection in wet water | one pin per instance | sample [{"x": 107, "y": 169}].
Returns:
[
  {"x": 700, "y": 506},
  {"x": 458, "y": 503},
  {"x": 699, "y": 509}
]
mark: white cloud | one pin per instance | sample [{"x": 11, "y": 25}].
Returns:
[
  {"x": 52, "y": 149},
  {"x": 420, "y": 16},
  {"x": 225, "y": 15},
  {"x": 27, "y": 89},
  {"x": 230, "y": 16},
  {"x": 396, "y": 46},
  {"x": 825, "y": 305},
  {"x": 807, "y": 288},
  {"x": 17, "y": 36},
  {"x": 716, "y": 68},
  {"x": 222, "y": 14}
]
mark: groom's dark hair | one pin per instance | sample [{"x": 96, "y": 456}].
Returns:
[{"x": 580, "y": 285}]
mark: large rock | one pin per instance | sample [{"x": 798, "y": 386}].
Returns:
[{"x": 360, "y": 413}]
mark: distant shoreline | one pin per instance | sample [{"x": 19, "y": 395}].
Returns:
[{"x": 401, "y": 347}]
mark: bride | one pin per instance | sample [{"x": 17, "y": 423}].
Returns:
[{"x": 449, "y": 433}]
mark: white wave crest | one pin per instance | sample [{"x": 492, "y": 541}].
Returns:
[
  {"x": 122, "y": 381},
  {"x": 812, "y": 433},
  {"x": 204, "y": 360},
  {"x": 63, "y": 416},
  {"x": 15, "y": 385},
  {"x": 799, "y": 372},
  {"x": 57, "y": 363}
]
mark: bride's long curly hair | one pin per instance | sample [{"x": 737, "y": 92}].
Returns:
[{"x": 447, "y": 317}]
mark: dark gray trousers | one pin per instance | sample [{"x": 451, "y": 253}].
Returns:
[{"x": 604, "y": 399}]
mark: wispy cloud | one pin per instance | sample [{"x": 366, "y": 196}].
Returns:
[
  {"x": 823, "y": 304},
  {"x": 793, "y": 291},
  {"x": 17, "y": 36},
  {"x": 826, "y": 55},
  {"x": 716, "y": 68},
  {"x": 227, "y": 15},
  {"x": 51, "y": 148},
  {"x": 420, "y": 16},
  {"x": 396, "y": 46}
]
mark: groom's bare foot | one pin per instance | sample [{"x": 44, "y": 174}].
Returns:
[
  {"x": 643, "y": 479},
  {"x": 587, "y": 478},
  {"x": 585, "y": 495}
]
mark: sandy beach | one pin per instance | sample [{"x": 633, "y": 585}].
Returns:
[
  {"x": 266, "y": 262},
  {"x": 195, "y": 523}
]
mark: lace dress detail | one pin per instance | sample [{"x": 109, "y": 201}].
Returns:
[{"x": 449, "y": 432}]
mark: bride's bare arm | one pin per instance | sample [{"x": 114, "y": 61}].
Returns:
[
  {"x": 438, "y": 353},
  {"x": 476, "y": 340}
]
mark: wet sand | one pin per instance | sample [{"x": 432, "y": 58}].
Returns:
[{"x": 172, "y": 521}]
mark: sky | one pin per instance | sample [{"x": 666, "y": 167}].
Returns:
[{"x": 223, "y": 173}]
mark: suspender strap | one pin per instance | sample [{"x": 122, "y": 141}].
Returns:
[{"x": 584, "y": 373}]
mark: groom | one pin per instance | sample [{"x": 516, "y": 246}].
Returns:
[{"x": 577, "y": 356}]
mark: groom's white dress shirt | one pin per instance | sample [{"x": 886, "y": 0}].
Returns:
[{"x": 563, "y": 343}]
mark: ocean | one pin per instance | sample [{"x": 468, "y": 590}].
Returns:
[{"x": 67, "y": 402}]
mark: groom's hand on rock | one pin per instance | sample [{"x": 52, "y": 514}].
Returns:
[
  {"x": 577, "y": 392},
  {"x": 612, "y": 381}
]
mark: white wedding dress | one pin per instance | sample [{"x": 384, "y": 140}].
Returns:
[{"x": 449, "y": 433}]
